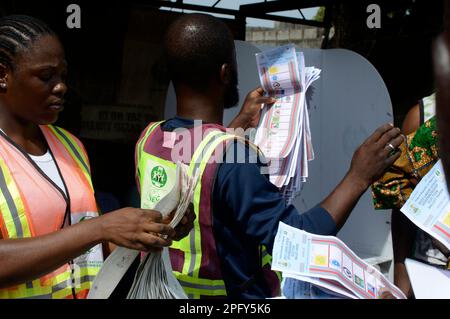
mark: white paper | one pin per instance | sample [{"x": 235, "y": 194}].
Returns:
[
  {"x": 283, "y": 133},
  {"x": 429, "y": 205},
  {"x": 297, "y": 252},
  {"x": 428, "y": 282}
]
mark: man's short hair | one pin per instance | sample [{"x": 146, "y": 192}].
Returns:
[{"x": 196, "y": 46}]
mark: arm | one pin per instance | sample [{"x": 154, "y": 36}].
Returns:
[
  {"x": 369, "y": 162},
  {"x": 257, "y": 205},
  {"x": 29, "y": 258}
]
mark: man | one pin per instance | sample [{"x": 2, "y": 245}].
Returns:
[{"x": 238, "y": 209}]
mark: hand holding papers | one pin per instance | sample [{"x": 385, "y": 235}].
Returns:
[
  {"x": 327, "y": 262},
  {"x": 154, "y": 278},
  {"x": 429, "y": 205},
  {"x": 283, "y": 132}
]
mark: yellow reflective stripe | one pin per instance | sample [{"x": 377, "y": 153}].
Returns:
[
  {"x": 11, "y": 205},
  {"x": 201, "y": 286},
  {"x": 193, "y": 254},
  {"x": 140, "y": 146},
  {"x": 204, "y": 161},
  {"x": 265, "y": 258},
  {"x": 74, "y": 150},
  {"x": 185, "y": 243},
  {"x": 200, "y": 149},
  {"x": 57, "y": 287}
]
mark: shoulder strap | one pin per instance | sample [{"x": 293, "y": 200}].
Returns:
[{"x": 75, "y": 150}]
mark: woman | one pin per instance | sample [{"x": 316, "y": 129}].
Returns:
[
  {"x": 45, "y": 186},
  {"x": 420, "y": 153}
]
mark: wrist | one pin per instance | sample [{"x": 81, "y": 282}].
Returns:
[
  {"x": 101, "y": 229},
  {"x": 358, "y": 183},
  {"x": 240, "y": 121}
]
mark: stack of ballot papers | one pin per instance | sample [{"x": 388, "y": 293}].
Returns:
[
  {"x": 428, "y": 206},
  {"x": 154, "y": 278},
  {"x": 326, "y": 262},
  {"x": 283, "y": 133}
]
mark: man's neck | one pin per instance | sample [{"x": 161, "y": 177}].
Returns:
[{"x": 198, "y": 106}]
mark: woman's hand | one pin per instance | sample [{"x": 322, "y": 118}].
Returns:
[{"x": 135, "y": 228}]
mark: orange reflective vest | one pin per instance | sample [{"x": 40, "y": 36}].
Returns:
[{"x": 32, "y": 205}]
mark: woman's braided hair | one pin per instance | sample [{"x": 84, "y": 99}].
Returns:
[{"x": 18, "y": 32}]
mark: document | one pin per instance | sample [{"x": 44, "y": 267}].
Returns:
[
  {"x": 328, "y": 263},
  {"x": 284, "y": 134},
  {"x": 429, "y": 205},
  {"x": 428, "y": 282}
]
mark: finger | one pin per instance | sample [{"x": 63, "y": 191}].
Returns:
[
  {"x": 388, "y": 136},
  {"x": 150, "y": 240},
  {"x": 392, "y": 158},
  {"x": 162, "y": 229},
  {"x": 259, "y": 90},
  {"x": 395, "y": 143},
  {"x": 152, "y": 215},
  {"x": 379, "y": 132},
  {"x": 265, "y": 100}
]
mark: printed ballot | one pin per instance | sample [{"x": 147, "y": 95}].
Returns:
[
  {"x": 283, "y": 133},
  {"x": 166, "y": 189},
  {"x": 325, "y": 261},
  {"x": 429, "y": 205},
  {"x": 428, "y": 282}
]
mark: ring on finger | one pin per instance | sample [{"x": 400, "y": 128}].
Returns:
[
  {"x": 163, "y": 236},
  {"x": 393, "y": 149}
]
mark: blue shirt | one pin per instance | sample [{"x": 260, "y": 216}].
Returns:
[{"x": 247, "y": 208}]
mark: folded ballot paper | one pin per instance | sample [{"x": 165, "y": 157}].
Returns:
[
  {"x": 283, "y": 133},
  {"x": 154, "y": 278},
  {"x": 326, "y": 262}
]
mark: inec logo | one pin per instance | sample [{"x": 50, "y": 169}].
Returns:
[{"x": 159, "y": 176}]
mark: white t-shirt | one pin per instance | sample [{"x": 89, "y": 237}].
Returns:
[{"x": 47, "y": 165}]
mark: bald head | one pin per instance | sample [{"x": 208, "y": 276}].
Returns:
[{"x": 196, "y": 47}]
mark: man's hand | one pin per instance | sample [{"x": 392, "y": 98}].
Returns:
[
  {"x": 375, "y": 155},
  {"x": 369, "y": 162},
  {"x": 251, "y": 109}
]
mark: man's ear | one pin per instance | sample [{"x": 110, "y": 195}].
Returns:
[{"x": 225, "y": 73}]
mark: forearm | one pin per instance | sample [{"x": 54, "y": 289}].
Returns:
[
  {"x": 30, "y": 258},
  {"x": 343, "y": 198},
  {"x": 240, "y": 121}
]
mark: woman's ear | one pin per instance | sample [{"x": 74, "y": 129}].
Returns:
[{"x": 3, "y": 77}]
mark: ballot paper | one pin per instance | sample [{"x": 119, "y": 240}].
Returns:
[
  {"x": 428, "y": 206},
  {"x": 283, "y": 133},
  {"x": 328, "y": 263},
  {"x": 165, "y": 190},
  {"x": 428, "y": 282}
]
